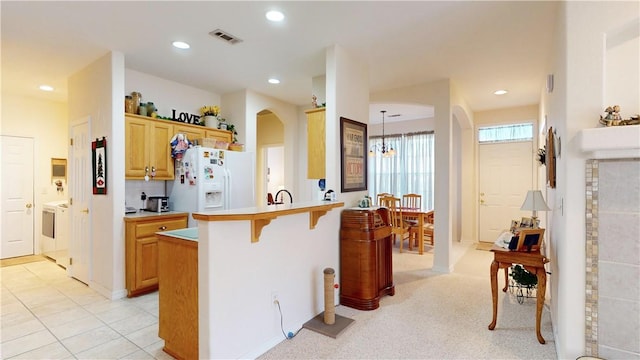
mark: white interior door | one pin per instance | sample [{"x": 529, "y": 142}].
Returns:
[
  {"x": 506, "y": 175},
  {"x": 17, "y": 207},
  {"x": 80, "y": 204}
]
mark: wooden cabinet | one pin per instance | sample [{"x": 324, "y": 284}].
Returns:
[
  {"x": 147, "y": 148},
  {"x": 366, "y": 269},
  {"x": 222, "y": 135},
  {"x": 141, "y": 249},
  {"x": 316, "y": 143},
  {"x": 178, "y": 297},
  {"x": 192, "y": 132}
]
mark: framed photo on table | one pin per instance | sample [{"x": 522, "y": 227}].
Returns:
[{"x": 353, "y": 145}]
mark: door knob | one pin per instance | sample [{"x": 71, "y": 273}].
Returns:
[
  {"x": 29, "y": 206},
  {"x": 86, "y": 211},
  {"x": 481, "y": 201}
]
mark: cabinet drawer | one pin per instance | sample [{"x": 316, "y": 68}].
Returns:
[{"x": 150, "y": 228}]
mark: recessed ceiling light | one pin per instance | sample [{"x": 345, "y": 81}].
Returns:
[
  {"x": 46, "y": 88},
  {"x": 274, "y": 15},
  {"x": 181, "y": 45},
  {"x": 274, "y": 81},
  {"x": 500, "y": 92}
]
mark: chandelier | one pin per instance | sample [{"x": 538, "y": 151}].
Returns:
[{"x": 386, "y": 152}]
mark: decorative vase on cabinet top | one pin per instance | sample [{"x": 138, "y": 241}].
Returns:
[{"x": 210, "y": 121}]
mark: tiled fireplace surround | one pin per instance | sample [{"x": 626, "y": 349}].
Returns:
[{"x": 613, "y": 257}]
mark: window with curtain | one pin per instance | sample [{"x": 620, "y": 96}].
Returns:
[{"x": 409, "y": 171}]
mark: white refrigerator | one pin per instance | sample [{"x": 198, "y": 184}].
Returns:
[{"x": 208, "y": 179}]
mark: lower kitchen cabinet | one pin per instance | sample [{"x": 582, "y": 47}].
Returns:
[{"x": 141, "y": 249}]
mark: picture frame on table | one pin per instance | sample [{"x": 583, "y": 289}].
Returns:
[
  {"x": 353, "y": 164},
  {"x": 526, "y": 222},
  {"x": 530, "y": 240}
]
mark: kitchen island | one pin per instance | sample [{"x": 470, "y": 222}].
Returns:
[{"x": 246, "y": 258}]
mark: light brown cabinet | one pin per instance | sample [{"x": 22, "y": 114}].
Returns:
[
  {"x": 148, "y": 145},
  {"x": 147, "y": 148},
  {"x": 141, "y": 249},
  {"x": 178, "y": 297},
  {"x": 222, "y": 135},
  {"x": 316, "y": 143},
  {"x": 192, "y": 132}
]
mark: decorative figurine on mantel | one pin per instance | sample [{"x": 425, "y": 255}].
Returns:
[
  {"x": 314, "y": 102},
  {"x": 613, "y": 117}
]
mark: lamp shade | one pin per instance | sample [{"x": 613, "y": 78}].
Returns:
[{"x": 534, "y": 201}]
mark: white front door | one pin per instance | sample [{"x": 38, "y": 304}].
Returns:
[
  {"x": 81, "y": 190},
  {"x": 17, "y": 207},
  {"x": 506, "y": 175}
]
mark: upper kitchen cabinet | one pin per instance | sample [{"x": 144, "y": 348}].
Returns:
[
  {"x": 192, "y": 132},
  {"x": 316, "y": 143},
  {"x": 195, "y": 132},
  {"x": 222, "y": 135},
  {"x": 147, "y": 148}
]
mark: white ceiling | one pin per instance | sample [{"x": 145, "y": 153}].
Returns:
[{"x": 481, "y": 46}]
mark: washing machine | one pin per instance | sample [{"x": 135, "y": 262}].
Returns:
[{"x": 55, "y": 231}]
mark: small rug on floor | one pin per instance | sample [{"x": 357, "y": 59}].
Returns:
[
  {"x": 21, "y": 260},
  {"x": 484, "y": 246}
]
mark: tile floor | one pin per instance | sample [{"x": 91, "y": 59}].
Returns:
[{"x": 47, "y": 315}]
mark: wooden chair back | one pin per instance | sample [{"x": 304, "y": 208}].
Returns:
[
  {"x": 412, "y": 201},
  {"x": 399, "y": 228},
  {"x": 380, "y": 196}
]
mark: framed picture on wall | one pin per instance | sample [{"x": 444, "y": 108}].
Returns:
[
  {"x": 353, "y": 145},
  {"x": 99, "y": 157}
]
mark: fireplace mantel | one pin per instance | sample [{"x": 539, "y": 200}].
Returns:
[{"x": 614, "y": 142}]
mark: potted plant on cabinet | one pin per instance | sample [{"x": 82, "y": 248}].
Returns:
[{"x": 210, "y": 115}]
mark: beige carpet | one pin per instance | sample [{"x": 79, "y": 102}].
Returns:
[
  {"x": 432, "y": 316},
  {"x": 486, "y": 246},
  {"x": 21, "y": 260}
]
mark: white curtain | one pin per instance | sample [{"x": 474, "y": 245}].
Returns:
[{"x": 410, "y": 170}]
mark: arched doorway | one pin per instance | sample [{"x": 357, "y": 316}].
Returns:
[{"x": 269, "y": 155}]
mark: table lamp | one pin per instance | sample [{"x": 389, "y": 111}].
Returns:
[{"x": 534, "y": 202}]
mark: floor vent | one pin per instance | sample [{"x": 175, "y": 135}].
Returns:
[{"x": 225, "y": 36}]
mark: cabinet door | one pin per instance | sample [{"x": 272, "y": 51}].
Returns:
[
  {"x": 146, "y": 262},
  {"x": 222, "y": 135},
  {"x": 315, "y": 143},
  {"x": 160, "y": 150},
  {"x": 192, "y": 132},
  {"x": 136, "y": 154}
]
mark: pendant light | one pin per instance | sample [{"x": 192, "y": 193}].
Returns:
[{"x": 385, "y": 152}]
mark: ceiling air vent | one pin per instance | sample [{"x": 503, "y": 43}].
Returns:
[{"x": 225, "y": 36}]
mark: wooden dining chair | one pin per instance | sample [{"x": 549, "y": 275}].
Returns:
[
  {"x": 427, "y": 230},
  {"x": 380, "y": 196},
  {"x": 412, "y": 201},
  {"x": 399, "y": 227}
]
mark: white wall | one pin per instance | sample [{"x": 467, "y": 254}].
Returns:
[
  {"x": 46, "y": 122},
  {"x": 167, "y": 95},
  {"x": 401, "y": 127},
  {"x": 577, "y": 101},
  {"x": 241, "y": 321},
  {"x": 97, "y": 92},
  {"x": 347, "y": 86}
]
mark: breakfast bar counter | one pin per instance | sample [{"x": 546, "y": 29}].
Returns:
[
  {"x": 247, "y": 258},
  {"x": 262, "y": 216}
]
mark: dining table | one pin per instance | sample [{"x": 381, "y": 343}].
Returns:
[{"x": 416, "y": 217}]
